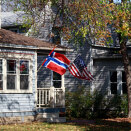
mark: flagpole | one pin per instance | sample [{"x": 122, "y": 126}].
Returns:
[{"x": 45, "y": 59}]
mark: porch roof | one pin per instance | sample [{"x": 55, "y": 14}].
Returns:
[{"x": 14, "y": 40}]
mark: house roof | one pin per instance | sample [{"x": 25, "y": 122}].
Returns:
[
  {"x": 11, "y": 38},
  {"x": 12, "y": 18}
]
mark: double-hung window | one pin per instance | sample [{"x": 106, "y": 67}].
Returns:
[
  {"x": 24, "y": 75},
  {"x": 117, "y": 82},
  {"x": 15, "y": 75},
  {"x": 113, "y": 82},
  {"x": 11, "y": 75}
]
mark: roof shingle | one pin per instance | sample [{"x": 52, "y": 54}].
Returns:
[{"x": 9, "y": 37}]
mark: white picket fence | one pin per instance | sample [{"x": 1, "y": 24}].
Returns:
[{"x": 50, "y": 97}]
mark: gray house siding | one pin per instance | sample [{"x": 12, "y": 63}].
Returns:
[
  {"x": 72, "y": 83},
  {"x": 19, "y": 104},
  {"x": 104, "y": 61},
  {"x": 43, "y": 75}
]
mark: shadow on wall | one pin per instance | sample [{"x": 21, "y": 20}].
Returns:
[{"x": 16, "y": 103}]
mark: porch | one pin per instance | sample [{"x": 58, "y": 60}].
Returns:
[
  {"x": 50, "y": 104},
  {"x": 51, "y": 97}
]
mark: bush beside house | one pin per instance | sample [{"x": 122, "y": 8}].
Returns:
[{"x": 83, "y": 104}]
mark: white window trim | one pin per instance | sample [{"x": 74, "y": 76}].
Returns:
[
  {"x": 4, "y": 72},
  {"x": 119, "y": 83}
]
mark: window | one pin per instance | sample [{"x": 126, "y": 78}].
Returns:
[
  {"x": 124, "y": 87},
  {"x": 16, "y": 30},
  {"x": 56, "y": 80},
  {"x": 1, "y": 75},
  {"x": 113, "y": 82},
  {"x": 56, "y": 35},
  {"x": 17, "y": 76},
  {"x": 118, "y": 82},
  {"x": 24, "y": 74},
  {"x": 11, "y": 74}
]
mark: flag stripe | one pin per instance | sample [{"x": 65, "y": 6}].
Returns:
[
  {"x": 50, "y": 59},
  {"x": 58, "y": 64},
  {"x": 76, "y": 70},
  {"x": 79, "y": 70},
  {"x": 88, "y": 73},
  {"x": 73, "y": 71}
]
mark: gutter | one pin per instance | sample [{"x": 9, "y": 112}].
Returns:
[{"x": 5, "y": 45}]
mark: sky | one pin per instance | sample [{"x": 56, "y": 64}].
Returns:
[{"x": 116, "y": 1}]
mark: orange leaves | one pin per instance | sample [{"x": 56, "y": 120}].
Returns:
[{"x": 95, "y": 17}]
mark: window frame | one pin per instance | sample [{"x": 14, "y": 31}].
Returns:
[
  {"x": 119, "y": 82},
  {"x": 17, "y": 89},
  {"x": 62, "y": 80}
]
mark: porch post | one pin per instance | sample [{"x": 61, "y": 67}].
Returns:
[
  {"x": 63, "y": 93},
  {"x": 52, "y": 96}
]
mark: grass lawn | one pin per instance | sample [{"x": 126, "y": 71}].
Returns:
[{"x": 98, "y": 125}]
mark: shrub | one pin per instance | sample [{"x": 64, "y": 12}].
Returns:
[
  {"x": 83, "y": 104},
  {"x": 79, "y": 104}
]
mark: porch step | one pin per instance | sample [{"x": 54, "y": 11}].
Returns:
[
  {"x": 50, "y": 117},
  {"x": 56, "y": 120}
]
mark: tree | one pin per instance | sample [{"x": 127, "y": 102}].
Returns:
[{"x": 90, "y": 20}]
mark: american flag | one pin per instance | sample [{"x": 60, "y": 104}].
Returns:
[{"x": 78, "y": 69}]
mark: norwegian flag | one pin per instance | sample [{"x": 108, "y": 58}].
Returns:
[
  {"x": 78, "y": 69},
  {"x": 57, "y": 62}
]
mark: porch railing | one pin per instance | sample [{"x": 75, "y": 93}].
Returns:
[{"x": 50, "y": 97}]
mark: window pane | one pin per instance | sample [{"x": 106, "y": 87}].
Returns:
[
  {"x": 123, "y": 76},
  {"x": 11, "y": 80},
  {"x": 0, "y": 66},
  {"x": 113, "y": 88},
  {"x": 56, "y": 76},
  {"x": 11, "y": 66},
  {"x": 57, "y": 84},
  {"x": 24, "y": 67},
  {"x": 124, "y": 88},
  {"x": 1, "y": 85},
  {"x": 24, "y": 82},
  {"x": 1, "y": 82},
  {"x": 1, "y": 77},
  {"x": 113, "y": 76}
]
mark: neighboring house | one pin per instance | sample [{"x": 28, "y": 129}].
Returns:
[{"x": 104, "y": 63}]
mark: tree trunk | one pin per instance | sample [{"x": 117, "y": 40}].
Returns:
[{"x": 127, "y": 69}]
